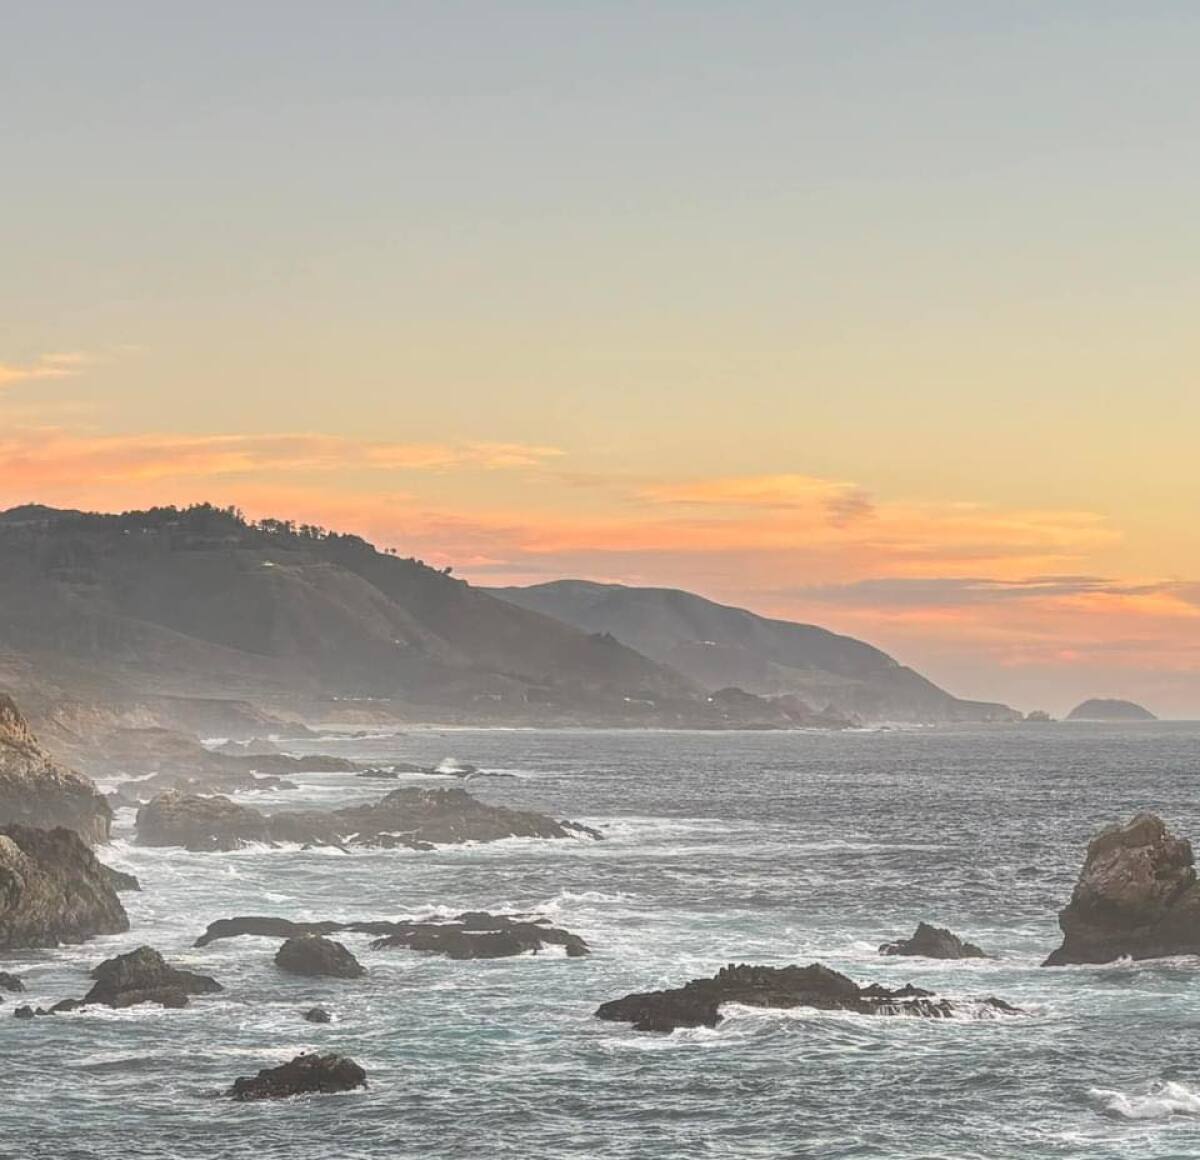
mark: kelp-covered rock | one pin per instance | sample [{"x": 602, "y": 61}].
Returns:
[
  {"x": 1136, "y": 896},
  {"x": 36, "y": 791},
  {"x": 142, "y": 976},
  {"x": 933, "y": 942},
  {"x": 305, "y": 1073},
  {"x": 313, "y": 954},
  {"x": 473, "y": 935},
  {"x": 410, "y": 817},
  {"x": 53, "y": 890},
  {"x": 698, "y": 1003}
]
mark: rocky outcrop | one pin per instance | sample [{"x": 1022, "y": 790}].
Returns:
[
  {"x": 408, "y": 817},
  {"x": 199, "y": 823},
  {"x": 313, "y": 954},
  {"x": 305, "y": 1073},
  {"x": 142, "y": 976},
  {"x": 53, "y": 890},
  {"x": 698, "y": 1003},
  {"x": 36, "y": 791},
  {"x": 10, "y": 982},
  {"x": 121, "y": 881},
  {"x": 317, "y": 1015},
  {"x": 933, "y": 942},
  {"x": 1136, "y": 896},
  {"x": 473, "y": 935}
]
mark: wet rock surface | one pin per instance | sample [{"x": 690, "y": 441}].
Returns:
[
  {"x": 933, "y": 942},
  {"x": 53, "y": 890},
  {"x": 317, "y": 1015},
  {"x": 313, "y": 955},
  {"x": 472, "y": 935},
  {"x": 409, "y": 817},
  {"x": 698, "y": 1003},
  {"x": 142, "y": 976},
  {"x": 1136, "y": 896},
  {"x": 306, "y": 1073}
]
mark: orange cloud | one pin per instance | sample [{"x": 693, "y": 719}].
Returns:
[
  {"x": 48, "y": 366},
  {"x": 50, "y": 457}
]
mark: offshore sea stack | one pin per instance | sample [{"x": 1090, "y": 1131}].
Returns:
[
  {"x": 53, "y": 890},
  {"x": 142, "y": 976},
  {"x": 933, "y": 942},
  {"x": 36, "y": 791},
  {"x": 698, "y": 1003},
  {"x": 306, "y": 1073},
  {"x": 1136, "y": 896}
]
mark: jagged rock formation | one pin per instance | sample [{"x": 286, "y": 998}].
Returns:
[
  {"x": 698, "y": 1003},
  {"x": 1100, "y": 709},
  {"x": 933, "y": 942},
  {"x": 473, "y": 935},
  {"x": 53, "y": 890},
  {"x": 1136, "y": 896},
  {"x": 305, "y": 1073},
  {"x": 121, "y": 881},
  {"x": 313, "y": 954},
  {"x": 142, "y": 976},
  {"x": 408, "y": 817},
  {"x": 36, "y": 791}
]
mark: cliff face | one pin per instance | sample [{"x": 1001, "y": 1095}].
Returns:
[
  {"x": 53, "y": 890},
  {"x": 37, "y": 791}
]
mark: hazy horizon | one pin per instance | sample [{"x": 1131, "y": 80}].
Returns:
[{"x": 872, "y": 317}]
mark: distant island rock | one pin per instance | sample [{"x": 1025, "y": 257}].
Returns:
[{"x": 1100, "y": 709}]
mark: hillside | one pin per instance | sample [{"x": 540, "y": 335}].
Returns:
[
  {"x": 201, "y": 604},
  {"x": 717, "y": 646}
]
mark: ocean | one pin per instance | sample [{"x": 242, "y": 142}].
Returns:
[{"x": 769, "y": 848}]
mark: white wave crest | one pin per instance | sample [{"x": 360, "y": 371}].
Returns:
[{"x": 1163, "y": 1099}]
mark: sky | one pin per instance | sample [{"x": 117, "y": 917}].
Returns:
[{"x": 878, "y": 315}]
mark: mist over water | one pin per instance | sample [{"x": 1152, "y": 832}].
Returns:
[{"x": 769, "y": 848}]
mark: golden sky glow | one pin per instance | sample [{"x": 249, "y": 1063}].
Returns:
[{"x": 879, "y": 319}]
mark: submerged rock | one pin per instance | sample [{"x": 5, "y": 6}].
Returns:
[
  {"x": 317, "y": 1015},
  {"x": 36, "y": 791},
  {"x": 411, "y": 817},
  {"x": 473, "y": 935},
  {"x": 142, "y": 976},
  {"x": 698, "y": 1003},
  {"x": 53, "y": 890},
  {"x": 1136, "y": 895},
  {"x": 313, "y": 954},
  {"x": 305, "y": 1073},
  {"x": 933, "y": 942}
]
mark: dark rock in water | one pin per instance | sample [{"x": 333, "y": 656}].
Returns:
[
  {"x": 698, "y": 1003},
  {"x": 318, "y": 1015},
  {"x": 141, "y": 976},
  {"x": 473, "y": 935},
  {"x": 199, "y": 823},
  {"x": 121, "y": 881},
  {"x": 312, "y": 954},
  {"x": 53, "y": 890},
  {"x": 933, "y": 942},
  {"x": 64, "y": 1005},
  {"x": 10, "y": 982},
  {"x": 305, "y": 1073},
  {"x": 410, "y": 817},
  {"x": 582, "y": 830},
  {"x": 381, "y": 774},
  {"x": 1136, "y": 895},
  {"x": 36, "y": 791},
  {"x": 24, "y": 1012}
]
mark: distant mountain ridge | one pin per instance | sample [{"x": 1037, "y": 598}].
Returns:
[{"x": 717, "y": 646}]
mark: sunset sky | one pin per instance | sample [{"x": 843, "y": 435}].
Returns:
[{"x": 877, "y": 315}]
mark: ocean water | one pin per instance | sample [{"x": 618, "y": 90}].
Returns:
[{"x": 756, "y": 847}]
